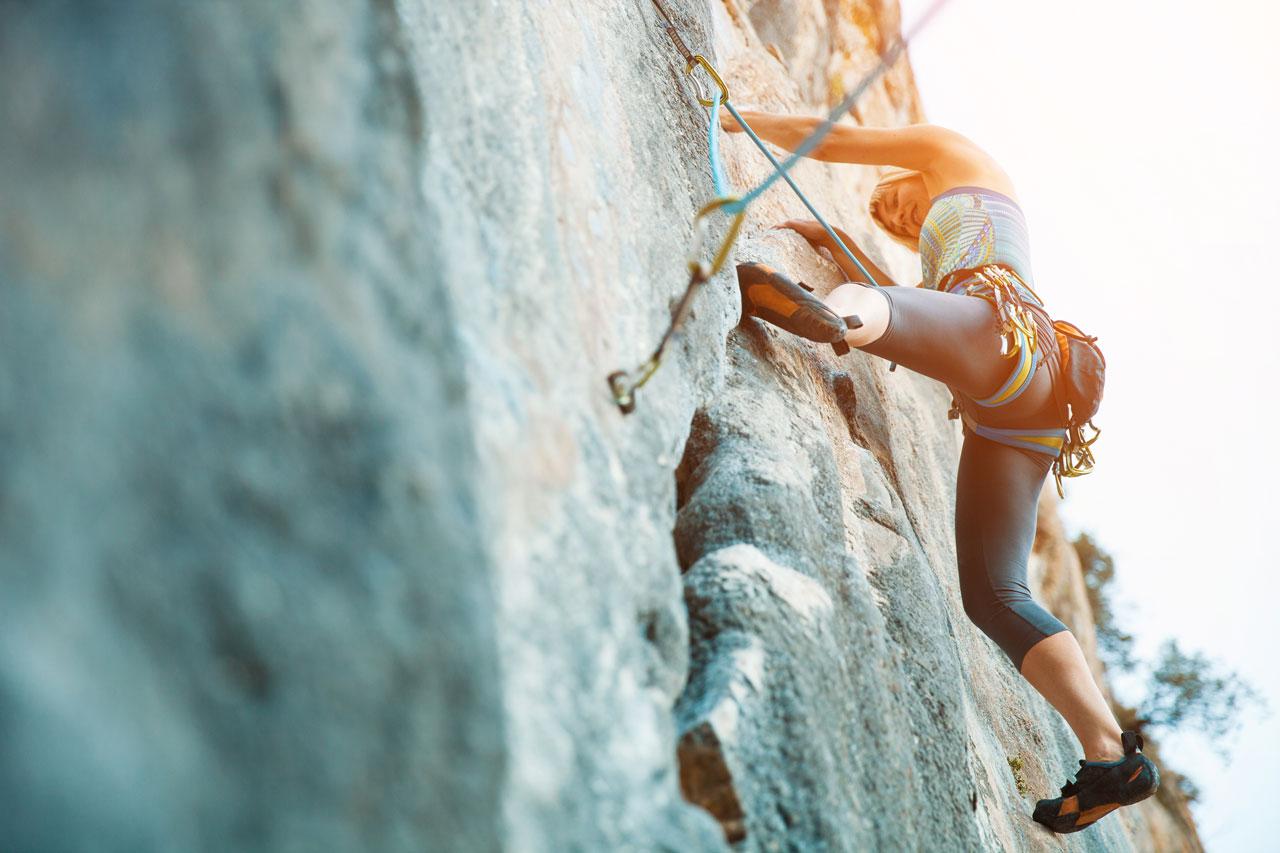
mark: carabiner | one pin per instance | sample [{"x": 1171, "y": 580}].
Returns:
[
  {"x": 708, "y": 270},
  {"x": 701, "y": 61}
]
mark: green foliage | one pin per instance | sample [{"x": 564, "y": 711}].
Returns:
[
  {"x": 1190, "y": 790},
  {"x": 1188, "y": 689},
  {"x": 1115, "y": 647},
  {"x": 1184, "y": 689},
  {"x": 1015, "y": 765}
]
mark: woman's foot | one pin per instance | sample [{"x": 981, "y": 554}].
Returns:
[
  {"x": 1100, "y": 788},
  {"x": 771, "y": 296}
]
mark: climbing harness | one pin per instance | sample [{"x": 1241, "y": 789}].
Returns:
[
  {"x": 1048, "y": 441},
  {"x": 1081, "y": 363},
  {"x": 624, "y": 384},
  {"x": 1001, "y": 285}
]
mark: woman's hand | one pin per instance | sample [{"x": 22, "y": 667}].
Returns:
[
  {"x": 821, "y": 240},
  {"x": 809, "y": 229}
]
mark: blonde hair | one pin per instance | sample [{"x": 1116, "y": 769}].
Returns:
[{"x": 911, "y": 241}]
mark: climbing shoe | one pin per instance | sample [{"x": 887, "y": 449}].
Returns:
[
  {"x": 1100, "y": 788},
  {"x": 771, "y": 296}
]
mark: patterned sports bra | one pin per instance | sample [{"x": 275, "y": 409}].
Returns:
[{"x": 969, "y": 227}]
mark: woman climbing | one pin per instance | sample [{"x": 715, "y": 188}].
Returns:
[{"x": 951, "y": 202}]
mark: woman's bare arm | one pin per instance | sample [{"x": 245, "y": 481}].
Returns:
[{"x": 946, "y": 157}]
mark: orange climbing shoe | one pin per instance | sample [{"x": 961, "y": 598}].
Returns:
[
  {"x": 1100, "y": 788},
  {"x": 771, "y": 296}
]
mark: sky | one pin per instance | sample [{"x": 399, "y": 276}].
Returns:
[{"x": 1142, "y": 140}]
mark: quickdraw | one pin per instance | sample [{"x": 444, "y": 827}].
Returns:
[{"x": 624, "y": 384}]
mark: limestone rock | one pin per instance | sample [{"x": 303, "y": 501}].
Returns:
[{"x": 319, "y": 527}]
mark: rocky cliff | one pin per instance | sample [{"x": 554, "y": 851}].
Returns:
[{"x": 319, "y": 528}]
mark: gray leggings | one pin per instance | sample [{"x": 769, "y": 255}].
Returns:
[{"x": 954, "y": 339}]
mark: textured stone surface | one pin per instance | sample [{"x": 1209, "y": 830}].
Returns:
[
  {"x": 319, "y": 529},
  {"x": 244, "y": 604}
]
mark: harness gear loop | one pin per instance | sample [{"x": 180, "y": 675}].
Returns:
[
  {"x": 1000, "y": 285},
  {"x": 1077, "y": 456},
  {"x": 700, "y": 61}
]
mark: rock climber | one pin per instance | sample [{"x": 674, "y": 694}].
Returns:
[{"x": 974, "y": 323}]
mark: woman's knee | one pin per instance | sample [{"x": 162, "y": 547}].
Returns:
[
  {"x": 978, "y": 611},
  {"x": 983, "y": 607},
  {"x": 1000, "y": 624},
  {"x": 1014, "y": 621},
  {"x": 988, "y": 605},
  {"x": 871, "y": 305}
]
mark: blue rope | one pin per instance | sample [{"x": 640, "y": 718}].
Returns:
[
  {"x": 781, "y": 172},
  {"x": 713, "y": 146},
  {"x": 810, "y": 143}
]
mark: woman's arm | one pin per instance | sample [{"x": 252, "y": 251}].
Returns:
[{"x": 941, "y": 153}]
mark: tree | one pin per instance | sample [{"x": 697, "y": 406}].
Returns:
[
  {"x": 1184, "y": 689},
  {"x": 1115, "y": 647},
  {"x": 1187, "y": 689}
]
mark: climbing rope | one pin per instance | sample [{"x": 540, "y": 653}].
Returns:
[
  {"x": 624, "y": 384},
  {"x": 713, "y": 148},
  {"x": 779, "y": 171},
  {"x": 812, "y": 140}
]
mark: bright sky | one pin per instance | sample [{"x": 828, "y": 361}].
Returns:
[{"x": 1141, "y": 139}]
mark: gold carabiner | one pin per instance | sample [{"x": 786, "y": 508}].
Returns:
[
  {"x": 697, "y": 264},
  {"x": 701, "y": 61}
]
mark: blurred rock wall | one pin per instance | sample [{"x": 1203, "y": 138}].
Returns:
[{"x": 319, "y": 529}]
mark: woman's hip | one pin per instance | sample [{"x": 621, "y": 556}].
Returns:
[{"x": 956, "y": 339}]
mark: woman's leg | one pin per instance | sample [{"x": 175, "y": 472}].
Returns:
[
  {"x": 945, "y": 336},
  {"x": 1056, "y": 667},
  {"x": 997, "y": 490},
  {"x": 872, "y": 309},
  {"x": 954, "y": 339}
]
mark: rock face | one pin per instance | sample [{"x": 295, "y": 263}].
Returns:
[{"x": 319, "y": 528}]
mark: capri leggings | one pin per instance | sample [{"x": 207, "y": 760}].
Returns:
[{"x": 953, "y": 338}]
